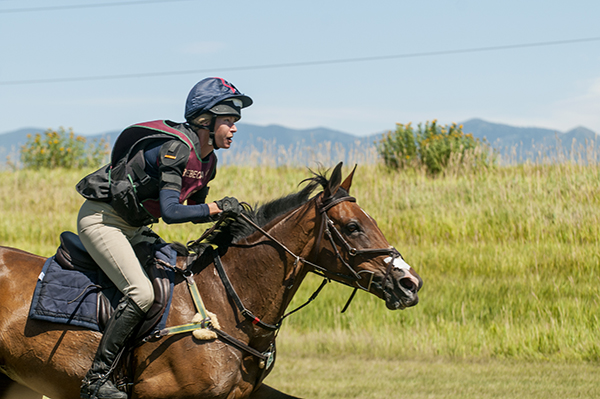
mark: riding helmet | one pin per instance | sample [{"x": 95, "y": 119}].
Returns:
[{"x": 217, "y": 96}]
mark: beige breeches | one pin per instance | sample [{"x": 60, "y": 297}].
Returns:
[{"x": 110, "y": 240}]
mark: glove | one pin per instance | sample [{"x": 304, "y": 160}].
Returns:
[{"x": 230, "y": 206}]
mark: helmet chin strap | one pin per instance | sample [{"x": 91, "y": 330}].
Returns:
[
  {"x": 211, "y": 140},
  {"x": 211, "y": 131}
]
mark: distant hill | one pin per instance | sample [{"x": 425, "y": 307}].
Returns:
[
  {"x": 277, "y": 143},
  {"x": 522, "y": 143},
  {"x": 281, "y": 144},
  {"x": 286, "y": 137},
  {"x": 11, "y": 142}
]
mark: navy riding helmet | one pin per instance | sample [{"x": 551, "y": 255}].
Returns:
[{"x": 209, "y": 94}]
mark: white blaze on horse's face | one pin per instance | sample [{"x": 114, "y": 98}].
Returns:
[{"x": 399, "y": 263}]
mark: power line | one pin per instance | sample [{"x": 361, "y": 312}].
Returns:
[
  {"x": 93, "y": 5},
  {"x": 300, "y": 63}
]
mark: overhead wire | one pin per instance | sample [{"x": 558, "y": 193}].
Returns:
[
  {"x": 79, "y": 6},
  {"x": 299, "y": 63}
]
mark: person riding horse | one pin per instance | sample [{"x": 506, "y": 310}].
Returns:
[{"x": 155, "y": 167}]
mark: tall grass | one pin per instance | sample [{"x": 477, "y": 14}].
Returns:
[{"x": 509, "y": 256}]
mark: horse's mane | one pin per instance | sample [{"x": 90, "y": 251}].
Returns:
[{"x": 234, "y": 230}]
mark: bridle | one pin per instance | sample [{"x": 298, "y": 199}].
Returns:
[{"x": 327, "y": 228}]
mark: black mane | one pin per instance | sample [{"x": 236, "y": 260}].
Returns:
[{"x": 234, "y": 230}]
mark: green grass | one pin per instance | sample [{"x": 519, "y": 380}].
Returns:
[
  {"x": 374, "y": 378},
  {"x": 510, "y": 259}
]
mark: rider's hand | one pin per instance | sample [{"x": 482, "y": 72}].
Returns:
[{"x": 230, "y": 206}]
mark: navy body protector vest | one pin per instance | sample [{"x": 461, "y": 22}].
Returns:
[{"x": 125, "y": 184}]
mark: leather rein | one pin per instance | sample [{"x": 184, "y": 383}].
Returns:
[{"x": 327, "y": 228}]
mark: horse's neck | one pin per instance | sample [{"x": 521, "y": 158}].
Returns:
[{"x": 266, "y": 273}]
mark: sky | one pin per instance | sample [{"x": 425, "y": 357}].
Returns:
[{"x": 358, "y": 67}]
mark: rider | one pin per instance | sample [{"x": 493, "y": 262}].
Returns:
[{"x": 155, "y": 167}]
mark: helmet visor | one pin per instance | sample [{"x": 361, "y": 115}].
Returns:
[{"x": 231, "y": 106}]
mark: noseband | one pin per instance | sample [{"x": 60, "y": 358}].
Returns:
[{"x": 327, "y": 228}]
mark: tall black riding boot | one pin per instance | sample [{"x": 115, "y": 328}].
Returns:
[{"x": 119, "y": 328}]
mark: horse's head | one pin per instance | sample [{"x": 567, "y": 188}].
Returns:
[{"x": 354, "y": 251}]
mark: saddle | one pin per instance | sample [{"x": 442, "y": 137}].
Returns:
[{"x": 72, "y": 257}]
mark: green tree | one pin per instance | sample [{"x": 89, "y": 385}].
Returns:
[
  {"x": 433, "y": 147},
  {"x": 62, "y": 149}
]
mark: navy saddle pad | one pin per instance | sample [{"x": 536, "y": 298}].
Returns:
[{"x": 72, "y": 290}]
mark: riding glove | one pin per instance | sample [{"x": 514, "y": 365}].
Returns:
[{"x": 230, "y": 206}]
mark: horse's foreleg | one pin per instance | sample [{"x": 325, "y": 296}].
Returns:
[
  {"x": 266, "y": 392},
  {"x": 12, "y": 390}
]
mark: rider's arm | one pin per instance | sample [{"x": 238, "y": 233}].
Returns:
[{"x": 174, "y": 212}]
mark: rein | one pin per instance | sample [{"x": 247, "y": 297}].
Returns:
[{"x": 327, "y": 228}]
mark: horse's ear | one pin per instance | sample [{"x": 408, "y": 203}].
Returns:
[
  {"x": 348, "y": 182},
  {"x": 334, "y": 181}
]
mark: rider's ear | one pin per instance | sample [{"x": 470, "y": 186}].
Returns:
[
  {"x": 348, "y": 182},
  {"x": 334, "y": 181}
]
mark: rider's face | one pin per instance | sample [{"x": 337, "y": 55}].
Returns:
[{"x": 224, "y": 130}]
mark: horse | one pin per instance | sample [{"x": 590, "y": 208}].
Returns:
[{"x": 272, "y": 249}]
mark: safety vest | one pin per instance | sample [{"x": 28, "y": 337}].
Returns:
[
  {"x": 129, "y": 189},
  {"x": 196, "y": 174}
]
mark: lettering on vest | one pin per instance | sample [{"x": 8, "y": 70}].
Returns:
[{"x": 193, "y": 174}]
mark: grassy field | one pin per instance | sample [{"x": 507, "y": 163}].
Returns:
[
  {"x": 510, "y": 259},
  {"x": 375, "y": 378}
]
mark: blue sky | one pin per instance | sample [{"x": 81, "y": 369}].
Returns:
[{"x": 551, "y": 86}]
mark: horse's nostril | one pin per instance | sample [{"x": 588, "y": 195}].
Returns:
[{"x": 408, "y": 284}]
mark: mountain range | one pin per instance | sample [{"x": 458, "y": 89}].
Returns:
[
  {"x": 275, "y": 141},
  {"x": 531, "y": 143}
]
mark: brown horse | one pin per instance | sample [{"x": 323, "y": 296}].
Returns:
[{"x": 328, "y": 234}]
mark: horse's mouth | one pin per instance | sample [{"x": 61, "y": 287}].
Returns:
[
  {"x": 400, "y": 290},
  {"x": 395, "y": 302}
]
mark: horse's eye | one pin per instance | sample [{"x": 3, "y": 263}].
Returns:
[{"x": 351, "y": 227}]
